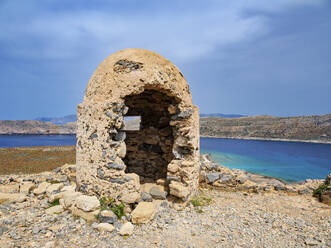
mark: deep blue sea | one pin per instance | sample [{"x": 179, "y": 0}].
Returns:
[
  {"x": 37, "y": 140},
  {"x": 289, "y": 161}
]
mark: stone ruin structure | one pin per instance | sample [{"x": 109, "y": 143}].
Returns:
[{"x": 112, "y": 161}]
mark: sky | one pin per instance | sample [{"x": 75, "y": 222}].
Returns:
[{"x": 251, "y": 57}]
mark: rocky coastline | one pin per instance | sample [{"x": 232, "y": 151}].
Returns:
[
  {"x": 314, "y": 128},
  {"x": 228, "y": 179},
  {"x": 34, "y": 127},
  {"x": 232, "y": 209},
  {"x": 267, "y": 139}
]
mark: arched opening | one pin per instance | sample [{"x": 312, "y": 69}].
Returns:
[{"x": 149, "y": 149}]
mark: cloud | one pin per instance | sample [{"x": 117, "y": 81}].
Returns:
[
  {"x": 235, "y": 54},
  {"x": 179, "y": 30},
  {"x": 46, "y": 31}
]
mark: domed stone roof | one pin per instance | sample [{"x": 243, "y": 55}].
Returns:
[{"x": 131, "y": 71}]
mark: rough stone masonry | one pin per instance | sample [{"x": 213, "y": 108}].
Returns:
[{"x": 112, "y": 161}]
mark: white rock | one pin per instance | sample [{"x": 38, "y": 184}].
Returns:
[
  {"x": 54, "y": 188},
  {"x": 50, "y": 244},
  {"x": 54, "y": 209},
  {"x": 105, "y": 227},
  {"x": 71, "y": 188},
  {"x": 4, "y": 198},
  {"x": 69, "y": 198},
  {"x": 143, "y": 212},
  {"x": 122, "y": 150},
  {"x": 126, "y": 229},
  {"x": 130, "y": 197},
  {"x": 26, "y": 187},
  {"x": 41, "y": 189},
  {"x": 55, "y": 197},
  {"x": 177, "y": 189},
  {"x": 88, "y": 216},
  {"x": 87, "y": 203}
]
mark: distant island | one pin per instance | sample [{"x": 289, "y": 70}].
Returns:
[
  {"x": 314, "y": 128},
  {"x": 59, "y": 120},
  {"x": 223, "y": 115}
]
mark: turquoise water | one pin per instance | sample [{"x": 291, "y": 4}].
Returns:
[{"x": 289, "y": 161}]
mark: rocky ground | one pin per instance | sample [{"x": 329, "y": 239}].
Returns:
[{"x": 241, "y": 217}]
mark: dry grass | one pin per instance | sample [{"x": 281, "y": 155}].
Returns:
[{"x": 28, "y": 160}]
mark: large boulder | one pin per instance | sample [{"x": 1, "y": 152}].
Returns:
[
  {"x": 178, "y": 190},
  {"x": 106, "y": 227},
  {"x": 158, "y": 194},
  {"x": 5, "y": 198},
  {"x": 130, "y": 197},
  {"x": 143, "y": 213},
  {"x": 88, "y": 216},
  {"x": 87, "y": 203},
  {"x": 41, "y": 189},
  {"x": 107, "y": 216},
  {"x": 126, "y": 229},
  {"x": 54, "y": 210},
  {"x": 26, "y": 187}
]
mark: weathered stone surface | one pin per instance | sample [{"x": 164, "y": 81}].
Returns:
[
  {"x": 130, "y": 197},
  {"x": 55, "y": 197},
  {"x": 179, "y": 190},
  {"x": 126, "y": 229},
  {"x": 69, "y": 198},
  {"x": 26, "y": 187},
  {"x": 106, "y": 227},
  {"x": 68, "y": 188},
  {"x": 143, "y": 213},
  {"x": 88, "y": 216},
  {"x": 41, "y": 189},
  {"x": 146, "y": 197},
  {"x": 9, "y": 188},
  {"x": 6, "y": 197},
  {"x": 242, "y": 179},
  {"x": 225, "y": 178},
  {"x": 107, "y": 216},
  {"x": 122, "y": 150},
  {"x": 87, "y": 203},
  {"x": 54, "y": 209},
  {"x": 53, "y": 188},
  {"x": 173, "y": 167},
  {"x": 212, "y": 177},
  {"x": 156, "y": 193}
]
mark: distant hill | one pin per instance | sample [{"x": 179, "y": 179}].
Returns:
[
  {"x": 58, "y": 120},
  {"x": 301, "y": 128},
  {"x": 36, "y": 127},
  {"x": 223, "y": 115}
]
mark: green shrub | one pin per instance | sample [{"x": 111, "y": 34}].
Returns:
[
  {"x": 200, "y": 201},
  {"x": 53, "y": 181},
  {"x": 108, "y": 203},
  {"x": 54, "y": 203},
  {"x": 319, "y": 191}
]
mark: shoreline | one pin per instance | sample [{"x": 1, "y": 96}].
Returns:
[
  {"x": 201, "y": 136},
  {"x": 248, "y": 173},
  {"x": 269, "y": 139}
]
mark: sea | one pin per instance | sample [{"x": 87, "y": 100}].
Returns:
[{"x": 288, "y": 161}]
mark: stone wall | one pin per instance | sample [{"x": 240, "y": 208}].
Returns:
[{"x": 115, "y": 162}]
